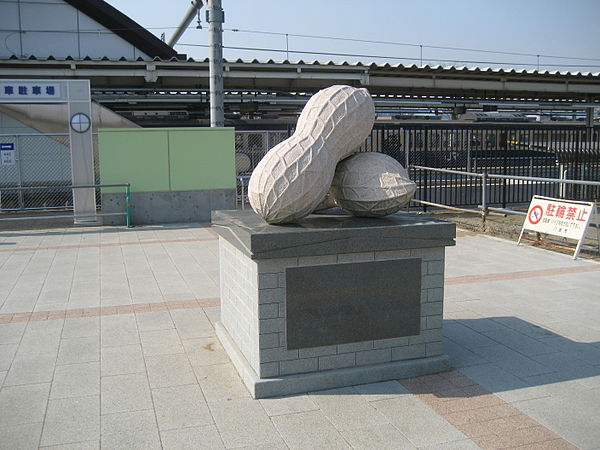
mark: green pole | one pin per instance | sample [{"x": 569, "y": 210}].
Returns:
[{"x": 128, "y": 205}]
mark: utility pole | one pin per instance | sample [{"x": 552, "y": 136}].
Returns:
[{"x": 215, "y": 18}]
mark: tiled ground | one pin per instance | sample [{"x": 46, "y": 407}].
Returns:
[{"x": 106, "y": 340}]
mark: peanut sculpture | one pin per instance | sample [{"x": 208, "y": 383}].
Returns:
[
  {"x": 295, "y": 175},
  {"x": 371, "y": 185}
]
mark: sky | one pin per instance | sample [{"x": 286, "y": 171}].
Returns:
[{"x": 556, "y": 30}]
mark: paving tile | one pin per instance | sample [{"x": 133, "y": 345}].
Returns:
[
  {"x": 579, "y": 426},
  {"x": 78, "y": 350},
  {"x": 23, "y": 404},
  {"x": 220, "y": 382},
  {"x": 85, "y": 445},
  {"x": 76, "y": 380},
  {"x": 181, "y": 407},
  {"x": 205, "y": 351},
  {"x": 309, "y": 430},
  {"x": 42, "y": 338},
  {"x": 81, "y": 327},
  {"x": 464, "y": 444},
  {"x": 381, "y": 391},
  {"x": 30, "y": 368},
  {"x": 119, "y": 330},
  {"x": 512, "y": 361},
  {"x": 123, "y": 393},
  {"x": 465, "y": 336},
  {"x": 169, "y": 370},
  {"x": 11, "y": 333},
  {"x": 419, "y": 423},
  {"x": 519, "y": 342},
  {"x": 243, "y": 422},
  {"x": 377, "y": 437},
  {"x": 130, "y": 430},
  {"x": 7, "y": 353},
  {"x": 122, "y": 360},
  {"x": 288, "y": 405},
  {"x": 346, "y": 409},
  {"x": 152, "y": 321},
  {"x": 25, "y": 436},
  {"x": 70, "y": 420},
  {"x": 461, "y": 356},
  {"x": 192, "y": 323},
  {"x": 192, "y": 438},
  {"x": 161, "y": 342},
  {"x": 213, "y": 313},
  {"x": 493, "y": 378}
]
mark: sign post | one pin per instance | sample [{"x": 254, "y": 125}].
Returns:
[
  {"x": 76, "y": 94},
  {"x": 565, "y": 218}
]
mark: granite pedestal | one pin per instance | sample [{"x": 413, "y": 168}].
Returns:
[{"x": 332, "y": 300}]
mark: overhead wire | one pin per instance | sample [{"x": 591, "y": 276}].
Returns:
[
  {"x": 403, "y": 58},
  {"x": 407, "y": 44},
  {"x": 357, "y": 40}
]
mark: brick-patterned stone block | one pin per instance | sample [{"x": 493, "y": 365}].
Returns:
[
  {"x": 373, "y": 357},
  {"x": 299, "y": 366},
  {"x": 337, "y": 361},
  {"x": 408, "y": 352}
]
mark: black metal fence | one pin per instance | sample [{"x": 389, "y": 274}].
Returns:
[
  {"x": 543, "y": 150},
  {"x": 532, "y": 150}
]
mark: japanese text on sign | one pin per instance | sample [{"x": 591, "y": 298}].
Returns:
[
  {"x": 23, "y": 90},
  {"x": 7, "y": 154},
  {"x": 558, "y": 217}
]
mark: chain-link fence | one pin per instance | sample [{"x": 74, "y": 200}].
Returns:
[
  {"x": 250, "y": 148},
  {"x": 33, "y": 161}
]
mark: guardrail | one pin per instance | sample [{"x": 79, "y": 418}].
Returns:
[
  {"x": 485, "y": 178},
  {"x": 126, "y": 213}
]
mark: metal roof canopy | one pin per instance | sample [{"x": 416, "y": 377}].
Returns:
[
  {"x": 175, "y": 84},
  {"x": 310, "y": 77}
]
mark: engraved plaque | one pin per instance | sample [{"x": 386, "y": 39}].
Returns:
[{"x": 352, "y": 302}]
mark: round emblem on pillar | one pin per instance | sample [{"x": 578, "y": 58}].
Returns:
[{"x": 80, "y": 122}]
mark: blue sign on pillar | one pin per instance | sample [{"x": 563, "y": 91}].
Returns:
[{"x": 7, "y": 153}]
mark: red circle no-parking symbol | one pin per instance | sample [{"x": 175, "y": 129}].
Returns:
[{"x": 535, "y": 215}]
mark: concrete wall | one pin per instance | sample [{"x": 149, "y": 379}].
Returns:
[{"x": 176, "y": 174}]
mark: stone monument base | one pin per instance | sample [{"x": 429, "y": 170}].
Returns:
[
  {"x": 314, "y": 381},
  {"x": 331, "y": 301}
]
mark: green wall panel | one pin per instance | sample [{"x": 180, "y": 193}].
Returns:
[
  {"x": 203, "y": 160},
  {"x": 168, "y": 159},
  {"x": 127, "y": 156}
]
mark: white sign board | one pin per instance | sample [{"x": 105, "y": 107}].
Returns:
[
  {"x": 565, "y": 218},
  {"x": 7, "y": 154},
  {"x": 31, "y": 91}
]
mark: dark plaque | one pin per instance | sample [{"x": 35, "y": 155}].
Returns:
[{"x": 352, "y": 302}]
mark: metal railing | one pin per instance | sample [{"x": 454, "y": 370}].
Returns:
[
  {"x": 126, "y": 213},
  {"x": 462, "y": 181},
  {"x": 242, "y": 190}
]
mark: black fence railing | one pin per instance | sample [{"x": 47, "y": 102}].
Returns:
[
  {"x": 523, "y": 150},
  {"x": 543, "y": 150}
]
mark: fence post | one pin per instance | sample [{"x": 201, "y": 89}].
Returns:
[
  {"x": 243, "y": 193},
  {"x": 484, "y": 207},
  {"x": 468, "y": 150},
  {"x": 128, "y": 206},
  {"x": 19, "y": 171}
]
